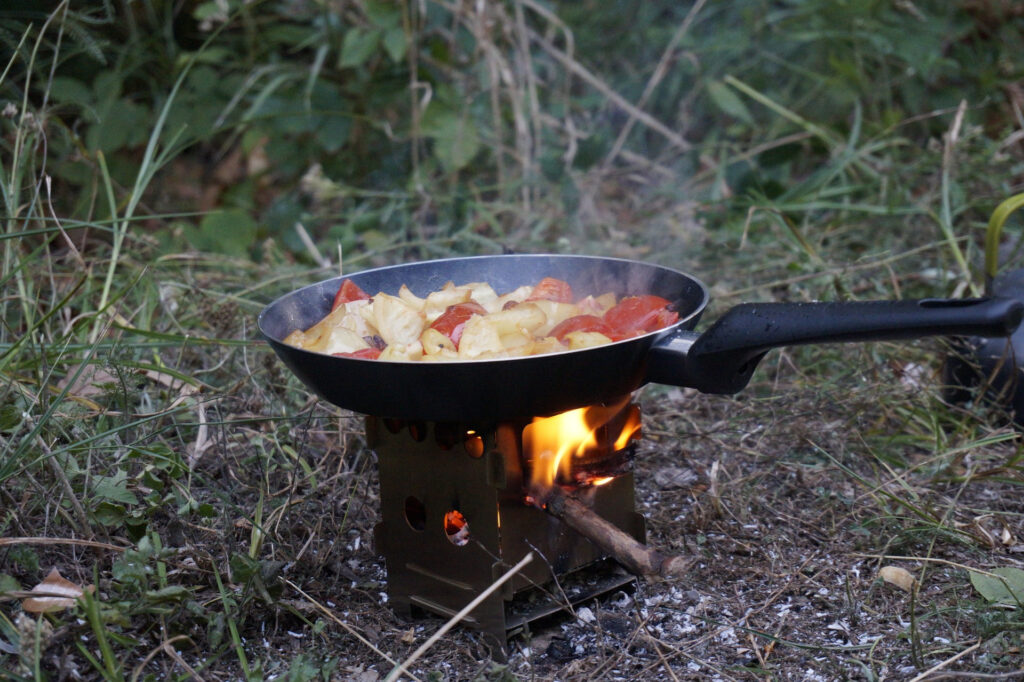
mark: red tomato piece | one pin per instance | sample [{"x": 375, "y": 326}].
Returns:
[
  {"x": 365, "y": 353},
  {"x": 551, "y": 289},
  {"x": 348, "y": 291},
  {"x": 582, "y": 323},
  {"x": 640, "y": 314},
  {"x": 454, "y": 318}
]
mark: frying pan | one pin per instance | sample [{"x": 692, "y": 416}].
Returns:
[{"x": 719, "y": 360}]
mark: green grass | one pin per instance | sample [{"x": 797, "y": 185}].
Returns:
[{"x": 160, "y": 181}]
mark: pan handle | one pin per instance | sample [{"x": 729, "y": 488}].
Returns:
[{"x": 723, "y": 358}]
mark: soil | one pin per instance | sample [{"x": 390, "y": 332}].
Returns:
[{"x": 788, "y": 512}]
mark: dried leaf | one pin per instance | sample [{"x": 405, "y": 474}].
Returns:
[
  {"x": 91, "y": 381},
  {"x": 56, "y": 592},
  {"x": 900, "y": 577}
]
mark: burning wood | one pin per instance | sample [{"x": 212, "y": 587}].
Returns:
[
  {"x": 593, "y": 438},
  {"x": 635, "y": 556}
]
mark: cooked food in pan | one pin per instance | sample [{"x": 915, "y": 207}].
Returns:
[{"x": 473, "y": 322}]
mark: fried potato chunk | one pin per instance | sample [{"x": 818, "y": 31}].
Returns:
[
  {"x": 395, "y": 320},
  {"x": 438, "y": 301},
  {"x": 436, "y": 343},
  {"x": 505, "y": 300},
  {"x": 579, "y": 340},
  {"x": 525, "y": 317},
  {"x": 480, "y": 336},
  {"x": 402, "y": 352},
  {"x": 554, "y": 313}
]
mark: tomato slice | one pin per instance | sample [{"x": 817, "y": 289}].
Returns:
[
  {"x": 640, "y": 314},
  {"x": 454, "y": 318},
  {"x": 582, "y": 323},
  {"x": 365, "y": 353},
  {"x": 348, "y": 291},
  {"x": 551, "y": 289}
]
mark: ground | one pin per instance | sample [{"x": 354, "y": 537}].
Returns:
[
  {"x": 840, "y": 515},
  {"x": 789, "y": 518}
]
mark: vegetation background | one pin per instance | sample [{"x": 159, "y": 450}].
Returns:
[{"x": 168, "y": 167}]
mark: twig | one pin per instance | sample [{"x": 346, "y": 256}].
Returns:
[
  {"x": 616, "y": 99},
  {"x": 637, "y": 557},
  {"x": 932, "y": 560},
  {"x": 659, "y": 73},
  {"x": 975, "y": 677},
  {"x": 945, "y": 217},
  {"x": 83, "y": 518},
  {"x": 946, "y": 662},
  {"x": 59, "y": 541},
  {"x": 311, "y": 249},
  {"x": 453, "y": 621},
  {"x": 348, "y": 628}
]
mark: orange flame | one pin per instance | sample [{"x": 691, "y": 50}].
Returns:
[{"x": 550, "y": 443}]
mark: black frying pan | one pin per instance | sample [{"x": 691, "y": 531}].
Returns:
[{"x": 721, "y": 360}]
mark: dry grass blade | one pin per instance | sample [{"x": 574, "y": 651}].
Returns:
[
  {"x": 615, "y": 98},
  {"x": 167, "y": 647},
  {"x": 348, "y": 628},
  {"x": 457, "y": 618},
  {"x": 949, "y": 661},
  {"x": 659, "y": 73},
  {"x": 60, "y": 541}
]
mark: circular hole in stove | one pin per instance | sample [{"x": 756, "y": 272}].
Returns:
[
  {"x": 474, "y": 444},
  {"x": 456, "y": 528},
  {"x": 415, "y": 513}
]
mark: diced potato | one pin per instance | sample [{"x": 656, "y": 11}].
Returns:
[
  {"x": 548, "y": 344},
  {"x": 479, "y": 336},
  {"x": 525, "y": 317},
  {"x": 315, "y": 337},
  {"x": 414, "y": 301},
  {"x": 342, "y": 340},
  {"x": 518, "y": 343},
  {"x": 297, "y": 338},
  {"x": 482, "y": 293},
  {"x": 515, "y": 296},
  {"x": 438, "y": 301},
  {"x": 441, "y": 356},
  {"x": 554, "y": 312},
  {"x": 396, "y": 322},
  {"x": 435, "y": 342},
  {"x": 402, "y": 352},
  {"x": 354, "y": 321},
  {"x": 579, "y": 340}
]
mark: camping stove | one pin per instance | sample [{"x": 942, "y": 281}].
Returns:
[{"x": 458, "y": 510}]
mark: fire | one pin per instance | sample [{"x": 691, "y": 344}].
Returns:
[
  {"x": 551, "y": 443},
  {"x": 456, "y": 527}
]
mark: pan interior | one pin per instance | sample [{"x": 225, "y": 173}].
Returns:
[{"x": 586, "y": 274}]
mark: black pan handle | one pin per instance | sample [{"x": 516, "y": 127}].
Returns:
[{"x": 723, "y": 358}]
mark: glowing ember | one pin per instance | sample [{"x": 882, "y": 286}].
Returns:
[
  {"x": 456, "y": 527},
  {"x": 551, "y": 443}
]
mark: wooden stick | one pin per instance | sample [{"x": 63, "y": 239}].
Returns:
[{"x": 635, "y": 556}]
